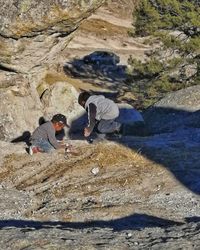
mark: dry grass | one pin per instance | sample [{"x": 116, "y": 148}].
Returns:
[
  {"x": 52, "y": 77},
  {"x": 26, "y": 172},
  {"x": 101, "y": 28},
  {"x": 57, "y": 178}
]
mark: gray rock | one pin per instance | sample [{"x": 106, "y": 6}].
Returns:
[
  {"x": 177, "y": 110},
  {"x": 132, "y": 120},
  {"x": 129, "y": 115},
  {"x": 32, "y": 33},
  {"x": 183, "y": 100}
]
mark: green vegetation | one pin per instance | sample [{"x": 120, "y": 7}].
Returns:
[{"x": 172, "y": 28}]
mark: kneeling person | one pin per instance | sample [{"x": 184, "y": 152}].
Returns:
[
  {"x": 43, "y": 138},
  {"x": 102, "y": 114}
]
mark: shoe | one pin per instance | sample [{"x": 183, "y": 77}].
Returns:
[
  {"x": 33, "y": 150},
  {"x": 117, "y": 133}
]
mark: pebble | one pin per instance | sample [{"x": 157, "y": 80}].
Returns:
[
  {"x": 129, "y": 235},
  {"x": 95, "y": 171}
]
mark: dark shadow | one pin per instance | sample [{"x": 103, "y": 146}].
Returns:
[
  {"x": 171, "y": 139},
  {"x": 194, "y": 219},
  {"x": 99, "y": 66},
  {"x": 132, "y": 222},
  {"x": 25, "y": 137},
  {"x": 41, "y": 120},
  {"x": 60, "y": 135}
]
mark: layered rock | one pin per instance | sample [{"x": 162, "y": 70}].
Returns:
[{"x": 32, "y": 32}]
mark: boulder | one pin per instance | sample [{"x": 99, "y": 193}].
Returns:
[
  {"x": 184, "y": 100},
  {"x": 132, "y": 120},
  {"x": 179, "y": 109},
  {"x": 20, "y": 109},
  {"x": 129, "y": 115},
  {"x": 62, "y": 97}
]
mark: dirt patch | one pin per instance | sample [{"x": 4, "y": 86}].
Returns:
[{"x": 101, "y": 28}]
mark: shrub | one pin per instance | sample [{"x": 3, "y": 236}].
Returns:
[{"x": 175, "y": 26}]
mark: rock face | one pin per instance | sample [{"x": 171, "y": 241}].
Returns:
[
  {"x": 33, "y": 32},
  {"x": 184, "y": 100},
  {"x": 177, "y": 110},
  {"x": 20, "y": 109},
  {"x": 33, "y": 36},
  {"x": 134, "y": 201},
  {"x": 62, "y": 98}
]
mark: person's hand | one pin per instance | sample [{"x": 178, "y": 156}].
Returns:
[{"x": 87, "y": 132}]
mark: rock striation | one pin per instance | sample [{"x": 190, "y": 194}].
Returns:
[{"x": 31, "y": 32}]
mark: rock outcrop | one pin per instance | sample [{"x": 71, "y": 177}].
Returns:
[
  {"x": 177, "y": 110},
  {"x": 33, "y": 33},
  {"x": 33, "y": 36}
]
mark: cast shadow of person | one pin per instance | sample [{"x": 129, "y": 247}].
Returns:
[
  {"x": 25, "y": 137},
  {"x": 131, "y": 222}
]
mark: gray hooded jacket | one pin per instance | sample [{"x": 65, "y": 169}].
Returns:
[{"x": 105, "y": 108}]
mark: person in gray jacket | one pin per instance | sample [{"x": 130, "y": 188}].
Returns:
[
  {"x": 43, "y": 138},
  {"x": 102, "y": 114}
]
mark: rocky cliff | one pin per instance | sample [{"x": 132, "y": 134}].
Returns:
[{"x": 34, "y": 32}]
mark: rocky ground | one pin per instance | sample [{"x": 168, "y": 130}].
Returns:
[{"x": 144, "y": 194}]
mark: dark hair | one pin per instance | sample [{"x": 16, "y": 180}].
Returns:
[
  {"x": 60, "y": 118},
  {"x": 83, "y": 97}
]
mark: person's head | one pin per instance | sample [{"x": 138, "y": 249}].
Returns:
[
  {"x": 83, "y": 97},
  {"x": 59, "y": 122}
]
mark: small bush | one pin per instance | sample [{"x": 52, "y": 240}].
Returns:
[{"x": 175, "y": 26}]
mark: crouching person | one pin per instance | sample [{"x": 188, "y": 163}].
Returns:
[
  {"x": 102, "y": 114},
  {"x": 43, "y": 138}
]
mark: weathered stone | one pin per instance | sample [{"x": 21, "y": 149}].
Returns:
[
  {"x": 129, "y": 115},
  {"x": 177, "y": 110},
  {"x": 184, "y": 100},
  {"x": 132, "y": 120},
  {"x": 20, "y": 109},
  {"x": 34, "y": 32},
  {"x": 62, "y": 97}
]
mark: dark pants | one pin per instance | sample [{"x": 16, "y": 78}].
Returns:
[{"x": 107, "y": 126}]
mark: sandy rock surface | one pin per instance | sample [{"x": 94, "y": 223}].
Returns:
[
  {"x": 145, "y": 194},
  {"x": 147, "y": 190}
]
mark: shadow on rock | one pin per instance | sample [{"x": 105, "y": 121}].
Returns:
[
  {"x": 25, "y": 137},
  {"x": 132, "y": 222},
  {"x": 170, "y": 138},
  {"x": 99, "y": 65}
]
